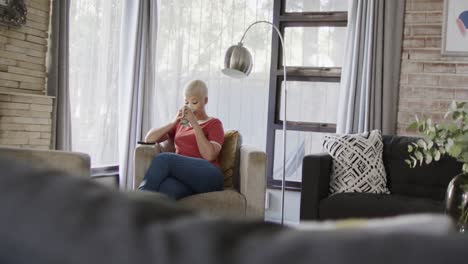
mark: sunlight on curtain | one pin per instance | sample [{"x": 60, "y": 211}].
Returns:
[
  {"x": 94, "y": 50},
  {"x": 192, "y": 39}
]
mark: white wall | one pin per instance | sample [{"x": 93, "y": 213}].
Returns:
[{"x": 292, "y": 202}]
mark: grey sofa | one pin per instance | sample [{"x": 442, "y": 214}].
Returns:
[
  {"x": 246, "y": 199},
  {"x": 413, "y": 190},
  {"x": 48, "y": 218}
]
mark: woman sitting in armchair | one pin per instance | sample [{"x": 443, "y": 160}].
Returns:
[{"x": 198, "y": 138}]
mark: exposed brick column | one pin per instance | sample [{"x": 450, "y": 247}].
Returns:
[
  {"x": 428, "y": 80},
  {"x": 25, "y": 110}
]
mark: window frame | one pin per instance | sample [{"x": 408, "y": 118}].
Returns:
[
  {"x": 105, "y": 171},
  {"x": 283, "y": 19}
]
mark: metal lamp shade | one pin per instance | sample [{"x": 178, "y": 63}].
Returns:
[{"x": 237, "y": 62}]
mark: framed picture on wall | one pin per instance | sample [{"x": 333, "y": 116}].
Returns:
[
  {"x": 12, "y": 12},
  {"x": 455, "y": 28}
]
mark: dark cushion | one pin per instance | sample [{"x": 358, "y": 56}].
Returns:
[
  {"x": 427, "y": 181},
  {"x": 368, "y": 205}
]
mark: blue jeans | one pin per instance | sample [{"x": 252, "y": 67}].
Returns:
[{"x": 178, "y": 176}]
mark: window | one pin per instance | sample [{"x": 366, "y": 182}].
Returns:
[
  {"x": 192, "y": 40},
  {"x": 314, "y": 34},
  {"x": 94, "y": 62},
  {"x": 193, "y": 36}
]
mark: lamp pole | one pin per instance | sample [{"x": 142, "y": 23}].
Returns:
[{"x": 238, "y": 64}]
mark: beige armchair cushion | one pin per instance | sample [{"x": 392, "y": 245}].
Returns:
[{"x": 226, "y": 203}]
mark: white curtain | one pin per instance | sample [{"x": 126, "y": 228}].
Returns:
[
  {"x": 93, "y": 75},
  {"x": 136, "y": 80},
  {"x": 371, "y": 68},
  {"x": 193, "y": 38}
]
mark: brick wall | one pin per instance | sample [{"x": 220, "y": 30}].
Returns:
[
  {"x": 428, "y": 80},
  {"x": 25, "y": 110}
]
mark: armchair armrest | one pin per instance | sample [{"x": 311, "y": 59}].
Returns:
[
  {"x": 252, "y": 175},
  {"x": 144, "y": 154},
  {"x": 316, "y": 171},
  {"x": 74, "y": 163}
]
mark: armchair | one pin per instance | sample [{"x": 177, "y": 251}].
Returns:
[
  {"x": 244, "y": 192},
  {"x": 413, "y": 190},
  {"x": 74, "y": 163}
]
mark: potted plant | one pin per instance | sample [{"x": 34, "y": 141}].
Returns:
[{"x": 449, "y": 138}]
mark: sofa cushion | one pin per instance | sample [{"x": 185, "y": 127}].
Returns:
[
  {"x": 357, "y": 163},
  {"x": 426, "y": 181},
  {"x": 229, "y": 156},
  {"x": 351, "y": 205},
  {"x": 434, "y": 224}
]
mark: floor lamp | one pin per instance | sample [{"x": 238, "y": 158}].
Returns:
[{"x": 238, "y": 64}]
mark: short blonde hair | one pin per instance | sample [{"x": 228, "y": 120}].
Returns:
[{"x": 196, "y": 87}]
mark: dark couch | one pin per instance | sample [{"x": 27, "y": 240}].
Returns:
[{"x": 413, "y": 190}]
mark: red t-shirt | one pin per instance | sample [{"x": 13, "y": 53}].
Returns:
[{"x": 186, "y": 143}]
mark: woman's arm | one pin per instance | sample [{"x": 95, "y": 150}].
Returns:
[
  {"x": 208, "y": 150},
  {"x": 160, "y": 134}
]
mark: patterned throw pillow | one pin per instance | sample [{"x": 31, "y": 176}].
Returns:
[{"x": 357, "y": 163}]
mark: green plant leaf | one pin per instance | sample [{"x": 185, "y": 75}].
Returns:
[
  {"x": 452, "y": 127},
  {"x": 453, "y": 106},
  {"x": 454, "y": 151},
  {"x": 449, "y": 144},
  {"x": 419, "y": 156},
  {"x": 428, "y": 159},
  {"x": 436, "y": 155},
  {"x": 464, "y": 106},
  {"x": 442, "y": 150},
  {"x": 439, "y": 141},
  {"x": 465, "y": 167},
  {"x": 461, "y": 140},
  {"x": 410, "y": 148},
  {"x": 422, "y": 127},
  {"x": 415, "y": 162},
  {"x": 413, "y": 126},
  {"x": 430, "y": 144},
  {"x": 422, "y": 144},
  {"x": 447, "y": 114},
  {"x": 407, "y": 161}
]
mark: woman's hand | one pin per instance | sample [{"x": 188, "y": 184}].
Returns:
[
  {"x": 189, "y": 116},
  {"x": 178, "y": 116}
]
